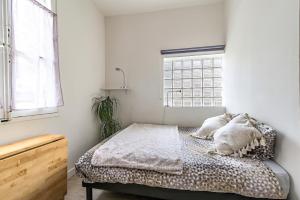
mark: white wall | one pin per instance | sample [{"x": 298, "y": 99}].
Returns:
[
  {"x": 133, "y": 42},
  {"x": 82, "y": 65},
  {"x": 262, "y": 71}
]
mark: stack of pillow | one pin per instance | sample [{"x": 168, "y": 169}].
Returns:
[{"x": 238, "y": 135}]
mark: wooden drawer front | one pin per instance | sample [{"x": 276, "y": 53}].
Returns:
[{"x": 37, "y": 174}]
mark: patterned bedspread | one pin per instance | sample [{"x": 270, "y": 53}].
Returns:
[{"x": 201, "y": 172}]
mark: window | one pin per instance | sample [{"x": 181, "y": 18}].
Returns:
[
  {"x": 193, "y": 80},
  {"x": 29, "y": 63},
  {"x": 46, "y": 3}
]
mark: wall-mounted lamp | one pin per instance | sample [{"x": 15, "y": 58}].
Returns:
[{"x": 124, "y": 78}]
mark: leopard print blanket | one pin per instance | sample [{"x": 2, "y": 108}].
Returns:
[{"x": 201, "y": 172}]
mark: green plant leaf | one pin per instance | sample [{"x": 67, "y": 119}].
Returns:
[{"x": 104, "y": 107}]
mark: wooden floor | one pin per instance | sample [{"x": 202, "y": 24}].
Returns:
[{"x": 76, "y": 192}]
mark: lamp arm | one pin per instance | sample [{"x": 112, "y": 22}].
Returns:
[
  {"x": 124, "y": 79},
  {"x": 168, "y": 95}
]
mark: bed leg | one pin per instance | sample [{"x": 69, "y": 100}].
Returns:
[{"x": 89, "y": 193}]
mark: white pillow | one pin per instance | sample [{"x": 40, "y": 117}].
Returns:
[
  {"x": 243, "y": 119},
  {"x": 210, "y": 126},
  {"x": 237, "y": 139}
]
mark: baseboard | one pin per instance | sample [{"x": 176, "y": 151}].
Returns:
[{"x": 71, "y": 172}]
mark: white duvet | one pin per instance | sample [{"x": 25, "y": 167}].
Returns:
[{"x": 142, "y": 146}]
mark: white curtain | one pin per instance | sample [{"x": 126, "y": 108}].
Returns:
[
  {"x": 35, "y": 70},
  {"x": 46, "y": 3}
]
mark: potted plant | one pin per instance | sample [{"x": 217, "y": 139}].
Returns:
[{"x": 104, "y": 108}]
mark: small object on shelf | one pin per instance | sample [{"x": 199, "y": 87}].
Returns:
[{"x": 124, "y": 77}]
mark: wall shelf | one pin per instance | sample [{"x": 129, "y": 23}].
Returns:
[{"x": 115, "y": 89}]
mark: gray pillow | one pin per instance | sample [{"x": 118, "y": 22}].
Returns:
[{"x": 268, "y": 151}]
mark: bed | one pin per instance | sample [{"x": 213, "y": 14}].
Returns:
[{"x": 204, "y": 176}]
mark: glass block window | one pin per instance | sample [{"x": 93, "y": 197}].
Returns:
[{"x": 193, "y": 81}]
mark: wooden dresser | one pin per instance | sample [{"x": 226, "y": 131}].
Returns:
[{"x": 34, "y": 169}]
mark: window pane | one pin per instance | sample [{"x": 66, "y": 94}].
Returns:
[
  {"x": 167, "y": 83},
  {"x": 187, "y": 83},
  {"x": 197, "y": 92},
  {"x": 207, "y": 82},
  {"x": 177, "y": 74},
  {"x": 177, "y": 65},
  {"x": 207, "y": 63},
  {"x": 46, "y": 3},
  {"x": 207, "y": 73},
  {"x": 187, "y": 64},
  {"x": 187, "y": 92},
  {"x": 217, "y": 82},
  {"x": 170, "y": 103},
  {"x": 197, "y": 83},
  {"x": 197, "y": 63},
  {"x": 177, "y": 83},
  {"x": 197, "y": 102},
  {"x": 207, "y": 92},
  {"x": 177, "y": 102},
  {"x": 207, "y": 102},
  {"x": 197, "y": 73},
  {"x": 25, "y": 97},
  {"x": 167, "y": 74},
  {"x": 218, "y": 102},
  {"x": 187, "y": 74},
  {"x": 177, "y": 94},
  {"x": 168, "y": 97},
  {"x": 167, "y": 64},
  {"x": 217, "y": 72},
  {"x": 217, "y": 92},
  {"x": 187, "y": 102},
  {"x": 168, "y": 92}
]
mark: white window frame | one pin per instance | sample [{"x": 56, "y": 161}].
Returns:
[
  {"x": 6, "y": 23},
  {"x": 8, "y": 114},
  {"x": 33, "y": 112},
  {"x": 217, "y": 52}
]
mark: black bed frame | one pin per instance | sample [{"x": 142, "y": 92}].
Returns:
[{"x": 160, "y": 193}]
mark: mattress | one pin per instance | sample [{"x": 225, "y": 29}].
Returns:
[
  {"x": 281, "y": 174},
  {"x": 201, "y": 172}
]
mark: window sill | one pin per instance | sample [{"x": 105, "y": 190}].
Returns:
[
  {"x": 203, "y": 107},
  {"x": 30, "y": 118},
  {"x": 33, "y": 112}
]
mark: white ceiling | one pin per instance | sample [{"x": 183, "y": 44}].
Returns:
[{"x": 124, "y": 7}]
